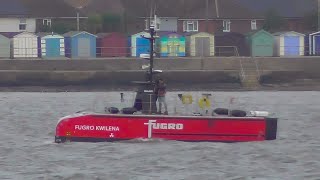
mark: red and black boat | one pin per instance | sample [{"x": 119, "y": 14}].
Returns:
[
  {"x": 93, "y": 127},
  {"x": 142, "y": 120}
]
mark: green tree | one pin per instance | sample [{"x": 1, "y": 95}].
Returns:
[
  {"x": 273, "y": 22},
  {"x": 311, "y": 20},
  {"x": 111, "y": 22},
  {"x": 62, "y": 28},
  {"x": 45, "y": 28},
  {"x": 95, "y": 23}
]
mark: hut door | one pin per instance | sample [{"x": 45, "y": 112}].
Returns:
[
  {"x": 52, "y": 47},
  {"x": 173, "y": 47},
  {"x": 84, "y": 47},
  {"x": 142, "y": 46},
  {"x": 291, "y": 45},
  {"x": 4, "y": 48},
  {"x": 316, "y": 45},
  {"x": 202, "y": 46},
  {"x": 22, "y": 47}
]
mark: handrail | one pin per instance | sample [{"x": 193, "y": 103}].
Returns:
[
  {"x": 242, "y": 73},
  {"x": 257, "y": 69}
]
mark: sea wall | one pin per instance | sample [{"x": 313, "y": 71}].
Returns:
[{"x": 189, "y": 72}]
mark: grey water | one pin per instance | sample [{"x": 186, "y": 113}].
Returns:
[{"x": 28, "y": 151}]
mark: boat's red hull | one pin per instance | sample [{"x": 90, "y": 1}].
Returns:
[{"x": 105, "y": 127}]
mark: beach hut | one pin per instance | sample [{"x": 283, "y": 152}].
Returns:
[
  {"x": 199, "y": 44},
  {"x": 4, "y": 47},
  {"x": 111, "y": 45},
  {"x": 230, "y": 44},
  {"x": 80, "y": 44},
  {"x": 24, "y": 45},
  {"x": 171, "y": 44},
  {"x": 139, "y": 45},
  {"x": 51, "y": 45},
  {"x": 260, "y": 43},
  {"x": 313, "y": 43},
  {"x": 289, "y": 43}
]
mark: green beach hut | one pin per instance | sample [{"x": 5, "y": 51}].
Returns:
[{"x": 260, "y": 43}]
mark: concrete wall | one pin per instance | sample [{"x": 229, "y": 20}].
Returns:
[
  {"x": 120, "y": 71},
  {"x": 104, "y": 78}
]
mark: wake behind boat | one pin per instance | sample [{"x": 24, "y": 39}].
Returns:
[{"x": 141, "y": 120}]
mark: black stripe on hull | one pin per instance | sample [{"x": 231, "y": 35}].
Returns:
[
  {"x": 239, "y": 135},
  {"x": 95, "y": 140}
]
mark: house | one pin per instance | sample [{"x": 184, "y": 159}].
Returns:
[
  {"x": 296, "y": 14},
  {"x": 36, "y": 16},
  {"x": 240, "y": 16},
  {"x": 193, "y": 16}
]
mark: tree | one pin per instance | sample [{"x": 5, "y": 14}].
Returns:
[
  {"x": 311, "y": 20},
  {"x": 95, "y": 23},
  {"x": 111, "y": 22},
  {"x": 45, "y": 28},
  {"x": 61, "y": 28},
  {"x": 273, "y": 22}
]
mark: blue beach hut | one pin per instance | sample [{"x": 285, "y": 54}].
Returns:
[
  {"x": 139, "y": 45},
  {"x": 314, "y": 43},
  {"x": 80, "y": 44},
  {"x": 289, "y": 44},
  {"x": 51, "y": 45}
]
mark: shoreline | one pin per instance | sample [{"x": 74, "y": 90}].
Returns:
[
  {"x": 201, "y": 87},
  {"x": 180, "y": 74}
]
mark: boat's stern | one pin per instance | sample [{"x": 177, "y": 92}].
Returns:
[{"x": 271, "y": 128}]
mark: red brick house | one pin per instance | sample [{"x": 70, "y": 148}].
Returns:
[
  {"x": 190, "y": 15},
  {"x": 239, "y": 16}
]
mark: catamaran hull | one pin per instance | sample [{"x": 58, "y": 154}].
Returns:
[{"x": 93, "y": 127}]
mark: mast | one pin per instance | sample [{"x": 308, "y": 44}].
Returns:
[{"x": 152, "y": 41}]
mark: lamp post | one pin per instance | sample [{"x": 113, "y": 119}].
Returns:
[
  {"x": 78, "y": 4},
  {"x": 318, "y": 25},
  {"x": 78, "y": 19},
  {"x": 207, "y": 15}
]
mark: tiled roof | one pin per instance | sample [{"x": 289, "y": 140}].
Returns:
[
  {"x": 284, "y": 8},
  {"x": 12, "y": 8},
  {"x": 36, "y": 8}
]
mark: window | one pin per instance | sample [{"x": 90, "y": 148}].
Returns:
[
  {"x": 46, "y": 22},
  {"x": 253, "y": 24},
  {"x": 226, "y": 25},
  {"x": 23, "y": 24},
  {"x": 190, "y": 26},
  {"x": 157, "y": 26}
]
